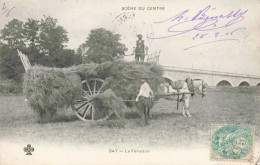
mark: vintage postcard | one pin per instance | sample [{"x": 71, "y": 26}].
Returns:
[{"x": 129, "y": 82}]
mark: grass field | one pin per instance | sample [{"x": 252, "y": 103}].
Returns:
[{"x": 167, "y": 128}]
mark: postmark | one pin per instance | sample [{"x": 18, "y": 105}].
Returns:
[{"x": 232, "y": 143}]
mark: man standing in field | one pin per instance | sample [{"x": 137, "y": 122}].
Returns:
[
  {"x": 144, "y": 101},
  {"x": 139, "y": 50}
]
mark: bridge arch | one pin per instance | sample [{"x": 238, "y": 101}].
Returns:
[
  {"x": 243, "y": 84},
  {"x": 211, "y": 77},
  {"x": 224, "y": 83}
]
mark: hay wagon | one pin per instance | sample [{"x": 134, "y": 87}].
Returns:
[
  {"x": 85, "y": 110},
  {"x": 78, "y": 87}
]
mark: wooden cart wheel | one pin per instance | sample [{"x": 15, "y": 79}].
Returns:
[{"x": 83, "y": 107}]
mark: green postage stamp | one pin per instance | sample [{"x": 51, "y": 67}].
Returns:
[{"x": 232, "y": 143}]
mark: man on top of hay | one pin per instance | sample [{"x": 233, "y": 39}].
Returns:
[
  {"x": 144, "y": 101},
  {"x": 139, "y": 50}
]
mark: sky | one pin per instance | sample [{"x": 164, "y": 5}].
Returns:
[{"x": 171, "y": 27}]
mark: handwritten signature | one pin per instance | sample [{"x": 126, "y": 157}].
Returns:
[
  {"x": 201, "y": 22},
  {"x": 5, "y": 10}
]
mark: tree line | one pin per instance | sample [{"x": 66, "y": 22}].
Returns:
[{"x": 44, "y": 42}]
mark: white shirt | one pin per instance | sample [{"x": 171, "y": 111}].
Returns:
[
  {"x": 184, "y": 88},
  {"x": 145, "y": 90}
]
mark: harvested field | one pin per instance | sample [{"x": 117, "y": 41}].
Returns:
[
  {"x": 168, "y": 128},
  {"x": 221, "y": 105}
]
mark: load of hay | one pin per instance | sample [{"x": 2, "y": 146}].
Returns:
[
  {"x": 50, "y": 90},
  {"x": 108, "y": 103}
]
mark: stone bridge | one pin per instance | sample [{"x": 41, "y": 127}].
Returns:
[{"x": 213, "y": 78}]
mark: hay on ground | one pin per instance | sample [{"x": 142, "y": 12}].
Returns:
[{"x": 106, "y": 103}]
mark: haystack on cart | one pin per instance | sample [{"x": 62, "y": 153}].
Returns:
[{"x": 44, "y": 94}]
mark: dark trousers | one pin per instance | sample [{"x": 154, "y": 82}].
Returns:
[
  {"x": 144, "y": 105},
  {"x": 139, "y": 56}
]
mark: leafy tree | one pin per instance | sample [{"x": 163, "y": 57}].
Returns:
[
  {"x": 30, "y": 30},
  {"x": 12, "y": 38},
  {"x": 102, "y": 45},
  {"x": 13, "y": 34},
  {"x": 46, "y": 43},
  {"x": 82, "y": 52},
  {"x": 66, "y": 57},
  {"x": 42, "y": 40},
  {"x": 52, "y": 37},
  {"x": 10, "y": 64}
]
